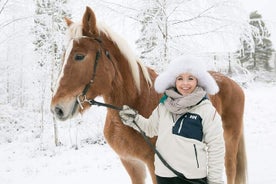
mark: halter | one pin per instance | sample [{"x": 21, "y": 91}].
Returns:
[{"x": 82, "y": 98}]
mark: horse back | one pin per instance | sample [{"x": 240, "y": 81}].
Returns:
[{"x": 229, "y": 101}]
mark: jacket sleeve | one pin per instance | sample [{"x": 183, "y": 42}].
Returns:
[
  {"x": 148, "y": 125},
  {"x": 213, "y": 137}
]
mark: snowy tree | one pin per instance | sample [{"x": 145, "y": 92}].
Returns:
[
  {"x": 13, "y": 83},
  {"x": 48, "y": 30},
  {"x": 148, "y": 39},
  {"x": 175, "y": 27},
  {"x": 257, "y": 57}
]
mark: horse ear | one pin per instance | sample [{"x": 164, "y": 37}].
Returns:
[
  {"x": 89, "y": 22},
  {"x": 68, "y": 21}
]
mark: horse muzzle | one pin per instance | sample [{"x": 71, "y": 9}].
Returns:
[{"x": 64, "y": 111}]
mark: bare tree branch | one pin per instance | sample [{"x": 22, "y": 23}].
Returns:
[
  {"x": 118, "y": 5},
  {"x": 128, "y": 16},
  {"x": 3, "y": 7},
  {"x": 3, "y": 25},
  {"x": 201, "y": 33},
  {"x": 196, "y": 17},
  {"x": 110, "y": 5}
]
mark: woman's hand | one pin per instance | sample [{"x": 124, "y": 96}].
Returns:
[{"x": 128, "y": 115}]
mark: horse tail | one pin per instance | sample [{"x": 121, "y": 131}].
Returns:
[{"x": 241, "y": 169}]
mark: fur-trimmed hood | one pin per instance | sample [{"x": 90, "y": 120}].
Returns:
[{"x": 183, "y": 64}]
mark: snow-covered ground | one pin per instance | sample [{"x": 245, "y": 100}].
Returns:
[{"x": 28, "y": 156}]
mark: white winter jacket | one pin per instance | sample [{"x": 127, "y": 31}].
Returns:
[{"x": 192, "y": 145}]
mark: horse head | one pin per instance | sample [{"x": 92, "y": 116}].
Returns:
[
  {"x": 86, "y": 64},
  {"x": 97, "y": 62}
]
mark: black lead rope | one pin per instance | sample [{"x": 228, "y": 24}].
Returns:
[
  {"x": 178, "y": 174},
  {"x": 93, "y": 102}
]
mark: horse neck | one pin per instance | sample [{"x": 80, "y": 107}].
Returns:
[
  {"x": 126, "y": 93},
  {"x": 124, "y": 90}
]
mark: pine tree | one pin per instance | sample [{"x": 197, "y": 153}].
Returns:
[{"x": 257, "y": 58}]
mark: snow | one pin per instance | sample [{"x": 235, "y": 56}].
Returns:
[{"x": 29, "y": 156}]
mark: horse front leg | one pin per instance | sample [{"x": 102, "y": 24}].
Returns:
[
  {"x": 136, "y": 170},
  {"x": 150, "y": 164}
]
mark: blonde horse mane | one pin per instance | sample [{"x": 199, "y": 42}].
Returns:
[{"x": 75, "y": 32}]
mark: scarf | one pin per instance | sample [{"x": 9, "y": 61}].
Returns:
[{"x": 179, "y": 104}]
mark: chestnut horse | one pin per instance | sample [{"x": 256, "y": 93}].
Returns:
[{"x": 98, "y": 62}]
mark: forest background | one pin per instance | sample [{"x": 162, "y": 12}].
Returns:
[
  {"x": 234, "y": 41},
  {"x": 234, "y": 38}
]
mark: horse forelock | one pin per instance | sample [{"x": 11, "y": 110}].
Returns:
[{"x": 74, "y": 31}]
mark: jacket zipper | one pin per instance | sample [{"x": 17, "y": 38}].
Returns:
[
  {"x": 196, "y": 156},
  {"x": 180, "y": 126}
]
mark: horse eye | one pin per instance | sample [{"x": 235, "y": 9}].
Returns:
[{"x": 79, "y": 57}]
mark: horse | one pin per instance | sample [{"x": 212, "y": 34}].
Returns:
[{"x": 99, "y": 62}]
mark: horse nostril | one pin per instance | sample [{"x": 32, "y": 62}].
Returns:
[{"x": 59, "y": 111}]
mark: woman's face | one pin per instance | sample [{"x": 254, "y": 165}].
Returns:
[{"x": 185, "y": 83}]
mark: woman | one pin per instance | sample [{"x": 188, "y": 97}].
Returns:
[{"x": 189, "y": 130}]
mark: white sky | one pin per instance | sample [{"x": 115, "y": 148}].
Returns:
[{"x": 267, "y": 8}]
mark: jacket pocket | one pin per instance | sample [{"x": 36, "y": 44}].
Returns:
[{"x": 189, "y": 125}]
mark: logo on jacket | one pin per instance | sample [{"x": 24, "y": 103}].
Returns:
[{"x": 193, "y": 116}]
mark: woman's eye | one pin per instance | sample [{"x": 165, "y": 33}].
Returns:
[
  {"x": 79, "y": 57},
  {"x": 191, "y": 78}
]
